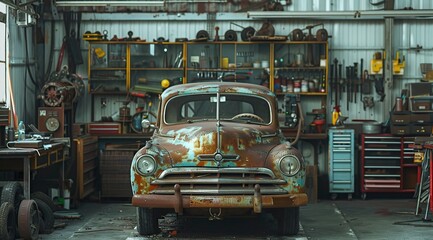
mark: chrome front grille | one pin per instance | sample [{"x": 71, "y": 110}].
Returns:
[{"x": 222, "y": 181}]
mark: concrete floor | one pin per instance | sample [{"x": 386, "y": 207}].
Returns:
[{"x": 339, "y": 219}]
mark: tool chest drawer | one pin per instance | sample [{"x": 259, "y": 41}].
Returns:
[
  {"x": 341, "y": 161},
  {"x": 385, "y": 161}
]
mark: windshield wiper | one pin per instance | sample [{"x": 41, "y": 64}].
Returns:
[{"x": 242, "y": 121}]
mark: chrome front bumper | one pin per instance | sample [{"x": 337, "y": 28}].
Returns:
[{"x": 257, "y": 201}]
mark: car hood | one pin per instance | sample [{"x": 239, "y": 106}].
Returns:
[{"x": 242, "y": 145}]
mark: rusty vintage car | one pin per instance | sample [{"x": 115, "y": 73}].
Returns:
[{"x": 217, "y": 151}]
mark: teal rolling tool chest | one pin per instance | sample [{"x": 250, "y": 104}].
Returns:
[{"x": 341, "y": 162}]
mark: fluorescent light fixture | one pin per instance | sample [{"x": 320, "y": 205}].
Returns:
[
  {"x": 196, "y": 1},
  {"x": 118, "y": 3},
  {"x": 342, "y": 15}
]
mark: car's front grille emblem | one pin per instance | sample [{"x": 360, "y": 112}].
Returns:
[{"x": 218, "y": 157}]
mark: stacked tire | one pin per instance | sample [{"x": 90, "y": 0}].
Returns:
[
  {"x": 24, "y": 218},
  {"x": 11, "y": 196}
]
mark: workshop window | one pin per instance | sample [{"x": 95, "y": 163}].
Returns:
[{"x": 3, "y": 88}]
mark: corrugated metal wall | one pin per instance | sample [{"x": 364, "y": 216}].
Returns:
[{"x": 351, "y": 40}]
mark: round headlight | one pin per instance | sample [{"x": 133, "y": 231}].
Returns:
[
  {"x": 145, "y": 165},
  {"x": 290, "y": 165}
]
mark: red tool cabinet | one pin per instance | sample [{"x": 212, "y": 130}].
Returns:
[{"x": 387, "y": 164}]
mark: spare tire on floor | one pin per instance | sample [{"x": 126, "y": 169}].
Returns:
[
  {"x": 8, "y": 222},
  {"x": 28, "y": 220},
  {"x": 13, "y": 192},
  {"x": 45, "y": 198},
  {"x": 47, "y": 217}
]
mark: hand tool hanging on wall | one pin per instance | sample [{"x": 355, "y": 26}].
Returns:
[
  {"x": 355, "y": 80},
  {"x": 335, "y": 81},
  {"x": 368, "y": 101},
  {"x": 61, "y": 54},
  {"x": 341, "y": 80},
  {"x": 331, "y": 81},
  {"x": 348, "y": 87},
  {"x": 336, "y": 112},
  {"x": 352, "y": 83},
  {"x": 380, "y": 89},
  {"x": 366, "y": 85},
  {"x": 361, "y": 77}
]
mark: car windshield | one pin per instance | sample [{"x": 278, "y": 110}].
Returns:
[{"x": 232, "y": 107}]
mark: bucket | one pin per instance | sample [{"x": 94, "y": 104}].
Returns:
[{"x": 372, "y": 127}]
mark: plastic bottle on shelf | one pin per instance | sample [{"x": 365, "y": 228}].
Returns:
[{"x": 21, "y": 131}]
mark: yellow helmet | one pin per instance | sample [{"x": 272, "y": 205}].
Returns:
[{"x": 165, "y": 83}]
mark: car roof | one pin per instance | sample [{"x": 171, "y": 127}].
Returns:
[{"x": 214, "y": 87}]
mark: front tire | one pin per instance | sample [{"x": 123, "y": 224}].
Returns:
[
  {"x": 147, "y": 221},
  {"x": 288, "y": 221}
]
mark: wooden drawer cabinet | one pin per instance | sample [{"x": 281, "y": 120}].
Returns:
[{"x": 86, "y": 149}]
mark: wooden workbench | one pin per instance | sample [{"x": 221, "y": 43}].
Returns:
[{"x": 28, "y": 159}]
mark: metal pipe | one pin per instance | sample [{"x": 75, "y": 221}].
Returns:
[
  {"x": 160, "y": 16},
  {"x": 61, "y": 3},
  {"x": 343, "y": 15},
  {"x": 195, "y": 1},
  {"x": 356, "y": 49}
]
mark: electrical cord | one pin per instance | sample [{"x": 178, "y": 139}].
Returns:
[
  {"x": 27, "y": 59},
  {"x": 51, "y": 57},
  {"x": 300, "y": 123}
]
